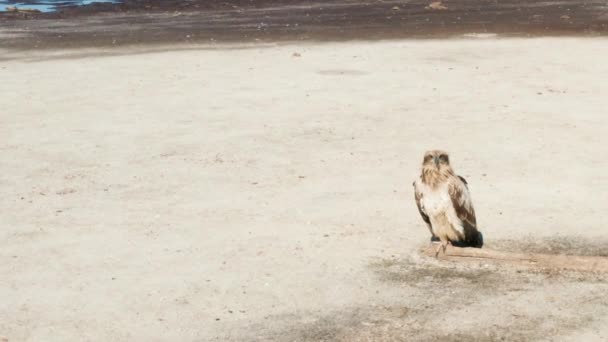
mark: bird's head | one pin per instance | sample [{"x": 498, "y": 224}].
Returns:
[{"x": 436, "y": 166}]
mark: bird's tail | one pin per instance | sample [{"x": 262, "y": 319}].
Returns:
[{"x": 475, "y": 239}]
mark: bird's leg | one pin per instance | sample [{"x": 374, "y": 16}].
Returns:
[
  {"x": 442, "y": 246},
  {"x": 439, "y": 249},
  {"x": 445, "y": 245}
]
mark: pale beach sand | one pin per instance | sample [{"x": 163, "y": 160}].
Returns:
[{"x": 244, "y": 193}]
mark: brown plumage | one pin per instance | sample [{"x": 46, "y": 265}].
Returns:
[{"x": 445, "y": 204}]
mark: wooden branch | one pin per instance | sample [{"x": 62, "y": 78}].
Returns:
[{"x": 530, "y": 260}]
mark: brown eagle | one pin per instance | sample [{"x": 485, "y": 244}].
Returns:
[{"x": 445, "y": 204}]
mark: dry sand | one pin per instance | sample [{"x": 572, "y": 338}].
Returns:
[{"x": 244, "y": 193}]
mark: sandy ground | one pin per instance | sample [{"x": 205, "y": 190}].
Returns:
[{"x": 246, "y": 193}]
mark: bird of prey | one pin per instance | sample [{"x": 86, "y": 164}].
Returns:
[{"x": 445, "y": 204}]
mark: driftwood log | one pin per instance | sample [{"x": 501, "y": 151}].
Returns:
[{"x": 529, "y": 260}]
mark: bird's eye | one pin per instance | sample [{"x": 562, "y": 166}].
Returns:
[{"x": 443, "y": 157}]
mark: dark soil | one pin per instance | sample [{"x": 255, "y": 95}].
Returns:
[{"x": 137, "y": 22}]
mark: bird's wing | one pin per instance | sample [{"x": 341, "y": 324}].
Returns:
[
  {"x": 464, "y": 181},
  {"x": 461, "y": 200},
  {"x": 418, "y": 196}
]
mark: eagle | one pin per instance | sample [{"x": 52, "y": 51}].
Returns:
[{"x": 444, "y": 202}]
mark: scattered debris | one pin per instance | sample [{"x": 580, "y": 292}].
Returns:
[
  {"x": 396, "y": 8},
  {"x": 66, "y": 191},
  {"x": 296, "y": 54},
  {"x": 565, "y": 17},
  {"x": 437, "y": 5}
]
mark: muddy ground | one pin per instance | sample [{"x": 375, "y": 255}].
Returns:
[{"x": 200, "y": 21}]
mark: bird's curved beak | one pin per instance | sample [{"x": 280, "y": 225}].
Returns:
[{"x": 436, "y": 159}]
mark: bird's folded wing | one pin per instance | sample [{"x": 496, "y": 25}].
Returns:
[
  {"x": 461, "y": 200},
  {"x": 418, "y": 196}
]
